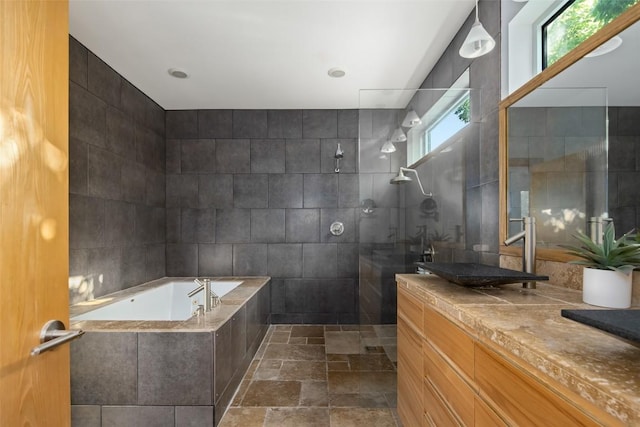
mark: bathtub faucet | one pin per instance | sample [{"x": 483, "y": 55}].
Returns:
[{"x": 210, "y": 298}]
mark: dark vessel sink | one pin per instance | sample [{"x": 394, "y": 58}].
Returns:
[
  {"x": 624, "y": 324},
  {"x": 469, "y": 274}
]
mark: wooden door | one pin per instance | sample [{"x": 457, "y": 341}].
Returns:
[{"x": 34, "y": 67}]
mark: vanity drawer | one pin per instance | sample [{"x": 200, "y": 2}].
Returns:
[
  {"x": 457, "y": 394},
  {"x": 435, "y": 411},
  {"x": 449, "y": 339},
  {"x": 485, "y": 416},
  {"x": 520, "y": 397},
  {"x": 409, "y": 375},
  {"x": 410, "y": 308}
]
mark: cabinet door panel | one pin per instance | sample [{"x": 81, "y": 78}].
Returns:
[{"x": 485, "y": 416}]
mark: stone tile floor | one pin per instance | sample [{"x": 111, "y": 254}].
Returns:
[{"x": 324, "y": 376}]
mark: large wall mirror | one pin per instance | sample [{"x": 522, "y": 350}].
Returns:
[{"x": 570, "y": 141}]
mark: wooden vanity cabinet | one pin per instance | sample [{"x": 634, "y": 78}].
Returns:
[{"x": 448, "y": 378}]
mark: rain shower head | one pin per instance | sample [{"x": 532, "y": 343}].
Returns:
[{"x": 401, "y": 178}]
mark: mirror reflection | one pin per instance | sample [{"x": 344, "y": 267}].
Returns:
[{"x": 574, "y": 145}]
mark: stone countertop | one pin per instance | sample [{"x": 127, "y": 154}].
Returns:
[
  {"x": 526, "y": 324},
  {"x": 211, "y": 321}
]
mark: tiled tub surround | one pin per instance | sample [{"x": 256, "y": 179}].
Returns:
[
  {"x": 166, "y": 373},
  {"x": 526, "y": 327}
]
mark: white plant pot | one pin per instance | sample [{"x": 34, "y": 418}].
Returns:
[{"x": 606, "y": 288}]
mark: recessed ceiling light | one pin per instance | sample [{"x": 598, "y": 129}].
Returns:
[
  {"x": 336, "y": 72},
  {"x": 178, "y": 73}
]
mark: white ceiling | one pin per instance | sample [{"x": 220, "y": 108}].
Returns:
[{"x": 260, "y": 54}]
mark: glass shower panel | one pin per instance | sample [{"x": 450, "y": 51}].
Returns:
[{"x": 398, "y": 225}]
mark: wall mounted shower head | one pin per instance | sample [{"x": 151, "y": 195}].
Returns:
[
  {"x": 339, "y": 152},
  {"x": 401, "y": 178}
]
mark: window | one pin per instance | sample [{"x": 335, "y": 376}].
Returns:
[
  {"x": 448, "y": 124},
  {"x": 574, "y": 22},
  {"x": 449, "y": 112}
]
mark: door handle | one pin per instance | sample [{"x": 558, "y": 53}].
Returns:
[{"x": 53, "y": 334}]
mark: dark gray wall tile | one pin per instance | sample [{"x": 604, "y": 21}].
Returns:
[
  {"x": 284, "y": 260},
  {"x": 348, "y": 163},
  {"x": 345, "y": 216},
  {"x": 158, "y": 351},
  {"x": 215, "y": 124},
  {"x": 233, "y": 156},
  {"x": 285, "y": 191},
  {"x": 215, "y": 260},
  {"x": 233, "y": 225},
  {"x": 250, "y": 191},
  {"x": 155, "y": 260},
  {"x": 250, "y": 260},
  {"x": 150, "y": 148},
  {"x": 267, "y": 156},
  {"x": 86, "y": 416},
  {"x": 96, "y": 383},
  {"x": 285, "y": 123},
  {"x": 319, "y": 259},
  {"x": 267, "y": 225},
  {"x": 320, "y": 191},
  {"x": 182, "y": 260},
  {"x": 155, "y": 189},
  {"x": 120, "y": 220},
  {"x": 347, "y": 260},
  {"x": 78, "y": 57},
  {"x": 172, "y": 158},
  {"x": 215, "y": 191},
  {"x": 133, "y": 101},
  {"x": 87, "y": 116},
  {"x": 182, "y": 124},
  {"x": 133, "y": 266},
  {"x": 86, "y": 222},
  {"x": 120, "y": 134},
  {"x": 302, "y": 225},
  {"x": 303, "y": 156},
  {"x": 319, "y": 124},
  {"x": 103, "y": 81},
  {"x": 157, "y": 416},
  {"x": 103, "y": 270},
  {"x": 250, "y": 124},
  {"x": 182, "y": 191},
  {"x": 348, "y": 191},
  {"x": 194, "y": 416},
  {"x": 78, "y": 167},
  {"x": 198, "y": 155},
  {"x": 198, "y": 225},
  {"x": 133, "y": 182},
  {"x": 347, "y": 123}
]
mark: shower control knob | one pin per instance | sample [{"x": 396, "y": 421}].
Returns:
[{"x": 336, "y": 228}]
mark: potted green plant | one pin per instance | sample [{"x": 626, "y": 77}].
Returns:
[{"x": 608, "y": 267}]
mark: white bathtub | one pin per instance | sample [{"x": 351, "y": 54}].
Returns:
[{"x": 166, "y": 302}]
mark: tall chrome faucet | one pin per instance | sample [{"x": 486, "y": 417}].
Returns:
[
  {"x": 528, "y": 236},
  {"x": 210, "y": 298}
]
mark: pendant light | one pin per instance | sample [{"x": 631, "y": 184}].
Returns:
[
  {"x": 411, "y": 119},
  {"x": 398, "y": 135},
  {"x": 478, "y": 41},
  {"x": 388, "y": 147}
]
